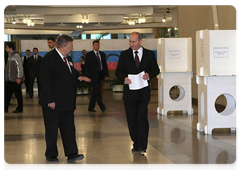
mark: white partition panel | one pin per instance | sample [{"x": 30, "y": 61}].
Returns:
[
  {"x": 175, "y": 54},
  {"x": 182, "y": 102},
  {"x": 209, "y": 90},
  {"x": 216, "y": 52}
]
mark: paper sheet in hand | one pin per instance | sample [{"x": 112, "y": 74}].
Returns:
[{"x": 137, "y": 81}]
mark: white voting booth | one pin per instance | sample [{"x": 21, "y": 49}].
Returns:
[
  {"x": 175, "y": 63},
  {"x": 216, "y": 76}
]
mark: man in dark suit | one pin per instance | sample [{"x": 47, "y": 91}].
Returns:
[
  {"x": 133, "y": 61},
  {"x": 34, "y": 63},
  {"x": 96, "y": 69},
  {"x": 3, "y": 62},
  {"x": 51, "y": 42},
  {"x": 58, "y": 99},
  {"x": 26, "y": 69}
]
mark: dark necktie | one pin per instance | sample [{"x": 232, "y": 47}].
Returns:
[
  {"x": 66, "y": 62},
  {"x": 99, "y": 62},
  {"x": 136, "y": 59},
  {"x": 2, "y": 60}
]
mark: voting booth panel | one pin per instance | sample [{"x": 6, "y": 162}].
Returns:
[
  {"x": 209, "y": 90},
  {"x": 216, "y": 52},
  {"x": 175, "y": 54},
  {"x": 183, "y": 100}
]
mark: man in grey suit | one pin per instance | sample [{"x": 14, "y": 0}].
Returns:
[
  {"x": 58, "y": 99},
  {"x": 135, "y": 60}
]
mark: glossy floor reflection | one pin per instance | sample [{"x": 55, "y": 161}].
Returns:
[{"x": 103, "y": 137}]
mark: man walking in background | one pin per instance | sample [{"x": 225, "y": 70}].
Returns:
[
  {"x": 51, "y": 42},
  {"x": 96, "y": 69},
  {"x": 13, "y": 78}
]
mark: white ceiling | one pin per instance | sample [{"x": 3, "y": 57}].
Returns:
[{"x": 53, "y": 18}]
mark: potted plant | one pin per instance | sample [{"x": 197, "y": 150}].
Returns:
[
  {"x": 83, "y": 87},
  {"x": 117, "y": 85}
]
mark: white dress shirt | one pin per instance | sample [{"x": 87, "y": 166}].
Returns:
[
  {"x": 140, "y": 54},
  {"x": 63, "y": 59}
]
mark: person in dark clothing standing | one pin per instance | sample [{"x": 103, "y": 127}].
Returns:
[
  {"x": 4, "y": 58},
  {"x": 34, "y": 63},
  {"x": 26, "y": 69}
]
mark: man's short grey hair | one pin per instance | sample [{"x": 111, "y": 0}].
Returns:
[
  {"x": 138, "y": 34},
  {"x": 63, "y": 40}
]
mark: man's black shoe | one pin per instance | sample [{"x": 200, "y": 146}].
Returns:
[
  {"x": 91, "y": 110},
  {"x": 4, "y": 111},
  {"x": 73, "y": 158},
  {"x": 104, "y": 109},
  {"x": 136, "y": 149},
  {"x": 52, "y": 159},
  {"x": 17, "y": 111},
  {"x": 143, "y": 150}
]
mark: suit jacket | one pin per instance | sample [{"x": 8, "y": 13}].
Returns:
[
  {"x": 5, "y": 57},
  {"x": 126, "y": 65},
  {"x": 25, "y": 67},
  {"x": 34, "y": 66},
  {"x": 92, "y": 66},
  {"x": 58, "y": 84}
]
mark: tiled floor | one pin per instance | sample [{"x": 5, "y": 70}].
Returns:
[{"x": 103, "y": 137}]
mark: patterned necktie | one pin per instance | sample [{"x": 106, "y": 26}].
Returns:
[
  {"x": 99, "y": 62},
  {"x": 136, "y": 59},
  {"x": 66, "y": 62}
]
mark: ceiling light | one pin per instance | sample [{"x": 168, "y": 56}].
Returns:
[
  {"x": 32, "y": 23},
  {"x": 3, "y": 10},
  {"x": 167, "y": 10},
  {"x": 131, "y": 22},
  {"x": 14, "y": 21},
  {"x": 29, "y": 21},
  {"x": 164, "y": 19},
  {"x": 141, "y": 19},
  {"x": 24, "y": 20},
  {"x": 79, "y": 26}
]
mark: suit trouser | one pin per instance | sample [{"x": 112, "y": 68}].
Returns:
[
  {"x": 65, "y": 122},
  {"x": 26, "y": 82},
  {"x": 10, "y": 88},
  {"x": 137, "y": 119},
  {"x": 31, "y": 83},
  {"x": 96, "y": 95}
]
